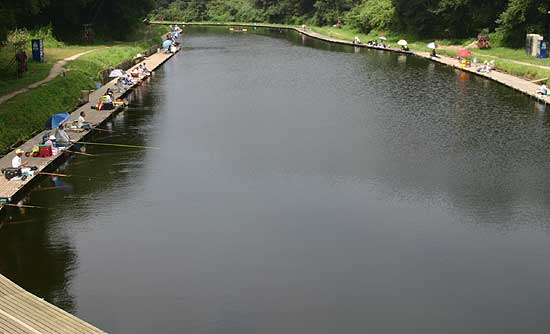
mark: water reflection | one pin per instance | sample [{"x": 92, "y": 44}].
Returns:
[
  {"x": 303, "y": 189},
  {"x": 36, "y": 250}
]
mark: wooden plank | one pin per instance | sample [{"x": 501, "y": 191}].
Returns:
[{"x": 23, "y": 313}]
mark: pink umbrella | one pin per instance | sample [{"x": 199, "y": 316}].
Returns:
[{"x": 464, "y": 53}]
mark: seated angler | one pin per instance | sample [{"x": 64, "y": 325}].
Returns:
[
  {"x": 543, "y": 90},
  {"x": 16, "y": 162},
  {"x": 106, "y": 102},
  {"x": 127, "y": 80},
  {"x": 82, "y": 123},
  {"x": 145, "y": 69},
  {"x": 120, "y": 85},
  {"x": 62, "y": 139}
]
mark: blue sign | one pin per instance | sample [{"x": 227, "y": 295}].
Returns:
[
  {"x": 543, "y": 49},
  {"x": 38, "y": 50}
]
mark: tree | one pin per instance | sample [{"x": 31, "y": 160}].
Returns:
[{"x": 522, "y": 17}]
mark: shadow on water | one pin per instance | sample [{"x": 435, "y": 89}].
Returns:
[
  {"x": 299, "y": 190},
  {"x": 35, "y": 249}
]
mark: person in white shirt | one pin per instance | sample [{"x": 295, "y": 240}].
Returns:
[
  {"x": 543, "y": 90},
  {"x": 16, "y": 161},
  {"x": 61, "y": 137},
  {"x": 82, "y": 124}
]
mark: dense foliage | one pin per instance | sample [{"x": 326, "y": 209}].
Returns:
[
  {"x": 510, "y": 19},
  {"x": 110, "y": 19}
]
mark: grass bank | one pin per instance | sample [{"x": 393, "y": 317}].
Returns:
[
  {"x": 26, "y": 114},
  {"x": 508, "y": 60}
]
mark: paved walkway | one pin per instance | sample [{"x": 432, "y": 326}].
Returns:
[{"x": 56, "y": 70}]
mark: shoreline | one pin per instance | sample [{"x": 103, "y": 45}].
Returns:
[
  {"x": 11, "y": 190},
  {"x": 518, "y": 84}
]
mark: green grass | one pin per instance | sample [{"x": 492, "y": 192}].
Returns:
[
  {"x": 504, "y": 57},
  {"x": 36, "y": 70},
  {"x": 55, "y": 51},
  {"x": 26, "y": 114}
]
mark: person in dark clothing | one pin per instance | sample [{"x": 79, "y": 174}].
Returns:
[{"x": 21, "y": 58}]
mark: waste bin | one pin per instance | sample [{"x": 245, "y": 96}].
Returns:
[
  {"x": 84, "y": 96},
  {"x": 543, "y": 49},
  {"x": 38, "y": 49}
]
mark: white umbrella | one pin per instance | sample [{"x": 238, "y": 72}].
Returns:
[
  {"x": 382, "y": 38},
  {"x": 116, "y": 73},
  {"x": 402, "y": 42},
  {"x": 431, "y": 45}
]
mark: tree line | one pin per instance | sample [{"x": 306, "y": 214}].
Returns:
[
  {"x": 507, "y": 20},
  {"x": 110, "y": 19}
]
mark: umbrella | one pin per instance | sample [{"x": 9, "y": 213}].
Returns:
[
  {"x": 382, "y": 38},
  {"x": 166, "y": 44},
  {"x": 116, "y": 73},
  {"x": 431, "y": 45},
  {"x": 402, "y": 42},
  {"x": 57, "y": 119},
  {"x": 464, "y": 53}
]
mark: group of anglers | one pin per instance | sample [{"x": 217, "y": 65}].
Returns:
[
  {"x": 51, "y": 144},
  {"x": 378, "y": 43},
  {"x": 58, "y": 139},
  {"x": 170, "y": 40}
]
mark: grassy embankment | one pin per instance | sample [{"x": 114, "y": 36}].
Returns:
[
  {"x": 26, "y": 114},
  {"x": 512, "y": 61},
  {"x": 506, "y": 58}
]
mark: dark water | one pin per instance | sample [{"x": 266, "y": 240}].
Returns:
[{"x": 300, "y": 188}]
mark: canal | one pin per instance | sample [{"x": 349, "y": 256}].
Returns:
[{"x": 300, "y": 187}]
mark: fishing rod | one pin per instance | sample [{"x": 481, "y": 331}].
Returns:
[
  {"x": 102, "y": 130},
  {"x": 119, "y": 145},
  {"x": 67, "y": 175},
  {"x": 54, "y": 174},
  {"x": 24, "y": 206},
  {"x": 81, "y": 153}
]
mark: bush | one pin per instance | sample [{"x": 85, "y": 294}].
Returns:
[{"x": 372, "y": 15}]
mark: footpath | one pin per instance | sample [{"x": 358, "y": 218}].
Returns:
[{"x": 56, "y": 70}]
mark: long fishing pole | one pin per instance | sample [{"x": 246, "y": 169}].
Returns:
[
  {"x": 102, "y": 130},
  {"x": 81, "y": 153},
  {"x": 24, "y": 206},
  {"x": 119, "y": 145},
  {"x": 67, "y": 175},
  {"x": 54, "y": 174}
]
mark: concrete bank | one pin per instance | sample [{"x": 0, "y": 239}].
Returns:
[{"x": 518, "y": 84}]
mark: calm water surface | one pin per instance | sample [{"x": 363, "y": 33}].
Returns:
[{"x": 300, "y": 188}]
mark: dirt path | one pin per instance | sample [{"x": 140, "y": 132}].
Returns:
[{"x": 56, "y": 70}]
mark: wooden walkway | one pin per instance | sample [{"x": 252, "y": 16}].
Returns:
[
  {"x": 519, "y": 84},
  {"x": 9, "y": 189},
  {"x": 23, "y": 313}
]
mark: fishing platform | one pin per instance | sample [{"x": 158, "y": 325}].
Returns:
[
  {"x": 20, "y": 311},
  {"x": 10, "y": 190},
  {"x": 23, "y": 313}
]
